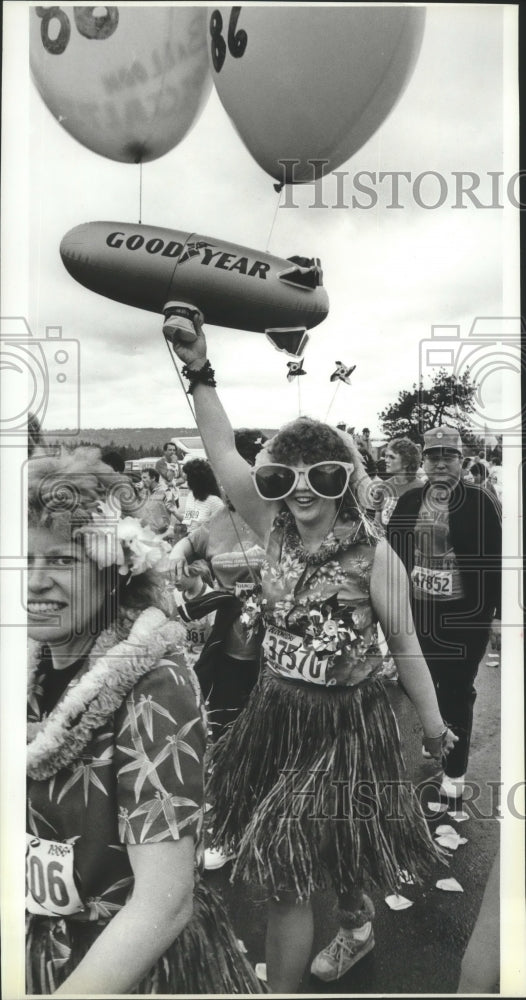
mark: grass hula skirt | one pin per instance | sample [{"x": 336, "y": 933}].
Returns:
[
  {"x": 204, "y": 959},
  {"x": 309, "y": 783}
]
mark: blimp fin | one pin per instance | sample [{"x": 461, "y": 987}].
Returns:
[
  {"x": 289, "y": 341},
  {"x": 307, "y": 273}
]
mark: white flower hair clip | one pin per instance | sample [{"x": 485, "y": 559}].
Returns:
[{"x": 113, "y": 540}]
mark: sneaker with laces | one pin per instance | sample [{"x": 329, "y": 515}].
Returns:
[{"x": 340, "y": 955}]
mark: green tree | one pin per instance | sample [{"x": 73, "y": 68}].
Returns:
[{"x": 448, "y": 400}]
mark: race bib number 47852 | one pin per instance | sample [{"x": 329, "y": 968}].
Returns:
[
  {"x": 433, "y": 582},
  {"x": 50, "y": 886},
  {"x": 286, "y": 655}
]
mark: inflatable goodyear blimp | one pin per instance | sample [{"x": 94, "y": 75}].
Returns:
[{"x": 233, "y": 286}]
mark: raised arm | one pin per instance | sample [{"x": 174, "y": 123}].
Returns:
[
  {"x": 390, "y": 600},
  {"x": 214, "y": 426}
]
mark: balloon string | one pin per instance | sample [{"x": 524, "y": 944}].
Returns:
[
  {"x": 242, "y": 547},
  {"x": 273, "y": 222},
  {"x": 332, "y": 400},
  {"x": 140, "y": 192},
  {"x": 172, "y": 356}
]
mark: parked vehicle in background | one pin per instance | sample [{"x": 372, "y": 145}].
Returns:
[{"x": 189, "y": 447}]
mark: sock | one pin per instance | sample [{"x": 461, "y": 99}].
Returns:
[
  {"x": 362, "y": 933},
  {"x": 357, "y": 933},
  {"x": 453, "y": 786}
]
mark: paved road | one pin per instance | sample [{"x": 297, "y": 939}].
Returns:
[{"x": 418, "y": 950}]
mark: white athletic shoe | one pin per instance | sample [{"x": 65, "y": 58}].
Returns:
[
  {"x": 261, "y": 971},
  {"x": 340, "y": 955},
  {"x": 215, "y": 858}
]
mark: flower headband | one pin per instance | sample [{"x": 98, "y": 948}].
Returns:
[{"x": 113, "y": 540}]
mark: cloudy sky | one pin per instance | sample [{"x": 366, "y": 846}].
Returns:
[{"x": 390, "y": 274}]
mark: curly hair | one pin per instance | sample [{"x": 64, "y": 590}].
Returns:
[
  {"x": 64, "y": 491},
  {"x": 312, "y": 441},
  {"x": 307, "y": 440},
  {"x": 410, "y": 453},
  {"x": 200, "y": 478}
]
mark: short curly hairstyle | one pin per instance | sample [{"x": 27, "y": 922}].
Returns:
[
  {"x": 310, "y": 441},
  {"x": 307, "y": 440},
  {"x": 200, "y": 478},
  {"x": 410, "y": 453},
  {"x": 64, "y": 491}
]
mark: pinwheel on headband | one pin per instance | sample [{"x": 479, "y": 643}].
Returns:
[
  {"x": 295, "y": 368},
  {"x": 342, "y": 373}
]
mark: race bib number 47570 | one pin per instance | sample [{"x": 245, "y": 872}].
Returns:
[
  {"x": 50, "y": 886},
  {"x": 286, "y": 655}
]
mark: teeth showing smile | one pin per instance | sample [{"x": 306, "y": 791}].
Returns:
[
  {"x": 304, "y": 501},
  {"x": 43, "y": 607}
]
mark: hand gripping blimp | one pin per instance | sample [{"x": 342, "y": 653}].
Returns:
[{"x": 162, "y": 270}]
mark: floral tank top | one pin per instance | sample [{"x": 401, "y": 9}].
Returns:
[{"x": 320, "y": 626}]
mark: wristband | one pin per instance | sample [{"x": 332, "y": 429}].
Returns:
[
  {"x": 205, "y": 375},
  {"x": 435, "y": 744}
]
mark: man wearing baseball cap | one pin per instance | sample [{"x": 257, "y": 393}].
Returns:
[{"x": 448, "y": 535}]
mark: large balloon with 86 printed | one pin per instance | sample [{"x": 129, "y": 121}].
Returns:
[{"x": 311, "y": 83}]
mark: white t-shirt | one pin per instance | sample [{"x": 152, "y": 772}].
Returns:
[
  {"x": 495, "y": 477},
  {"x": 200, "y": 511}
]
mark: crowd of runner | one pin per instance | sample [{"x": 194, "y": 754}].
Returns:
[{"x": 209, "y": 643}]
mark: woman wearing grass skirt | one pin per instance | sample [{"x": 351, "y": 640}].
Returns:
[
  {"x": 307, "y": 785},
  {"x": 115, "y": 758}
]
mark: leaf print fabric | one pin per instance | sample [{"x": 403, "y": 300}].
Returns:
[
  {"x": 139, "y": 780},
  {"x": 158, "y": 761}
]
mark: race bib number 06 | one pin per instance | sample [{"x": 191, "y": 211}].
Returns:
[
  {"x": 432, "y": 581},
  {"x": 50, "y": 886},
  {"x": 286, "y": 655}
]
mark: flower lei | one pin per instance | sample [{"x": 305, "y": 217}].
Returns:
[
  {"x": 113, "y": 670},
  {"x": 330, "y": 548},
  {"x": 112, "y": 540}
]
